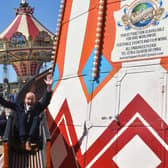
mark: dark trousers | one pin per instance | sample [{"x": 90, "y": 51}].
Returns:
[{"x": 2, "y": 127}]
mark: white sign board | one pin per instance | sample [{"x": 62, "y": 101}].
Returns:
[{"x": 141, "y": 30}]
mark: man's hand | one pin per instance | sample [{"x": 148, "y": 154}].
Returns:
[{"x": 48, "y": 81}]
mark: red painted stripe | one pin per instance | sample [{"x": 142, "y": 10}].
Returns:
[
  {"x": 5, "y": 145},
  {"x": 48, "y": 158},
  {"x": 32, "y": 28},
  {"x": 138, "y": 104},
  {"x": 143, "y": 132},
  {"x": 89, "y": 42},
  {"x": 90, "y": 34},
  {"x": 13, "y": 29},
  {"x": 55, "y": 134},
  {"x": 70, "y": 160},
  {"x": 164, "y": 63}
]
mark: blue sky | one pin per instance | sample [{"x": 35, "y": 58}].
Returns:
[{"x": 44, "y": 10}]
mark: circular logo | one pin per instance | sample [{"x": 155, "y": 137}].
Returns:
[{"x": 142, "y": 14}]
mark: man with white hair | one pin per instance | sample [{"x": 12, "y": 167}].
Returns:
[{"x": 27, "y": 114}]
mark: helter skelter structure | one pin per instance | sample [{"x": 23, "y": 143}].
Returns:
[{"x": 25, "y": 43}]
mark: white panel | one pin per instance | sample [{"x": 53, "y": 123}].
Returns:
[
  {"x": 103, "y": 105},
  {"x": 93, "y": 134},
  {"x": 71, "y": 90},
  {"x": 75, "y": 37},
  {"x": 23, "y": 27},
  {"x": 146, "y": 81},
  {"x": 79, "y": 7},
  {"x": 136, "y": 154},
  {"x": 103, "y": 111},
  {"x": 57, "y": 100}
]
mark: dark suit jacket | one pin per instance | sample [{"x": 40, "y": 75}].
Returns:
[
  {"x": 26, "y": 127},
  {"x": 3, "y": 122},
  {"x": 37, "y": 108}
]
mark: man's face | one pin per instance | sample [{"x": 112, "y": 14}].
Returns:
[{"x": 30, "y": 99}]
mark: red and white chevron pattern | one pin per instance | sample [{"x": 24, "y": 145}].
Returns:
[{"x": 134, "y": 91}]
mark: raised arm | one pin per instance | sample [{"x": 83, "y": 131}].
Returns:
[
  {"x": 48, "y": 81},
  {"x": 45, "y": 100},
  {"x": 7, "y": 104}
]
